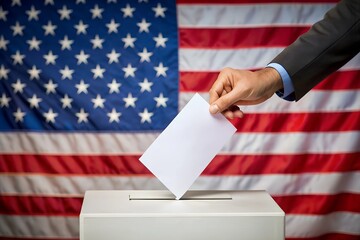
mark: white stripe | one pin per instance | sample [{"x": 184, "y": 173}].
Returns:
[
  {"x": 306, "y": 226},
  {"x": 246, "y": 15},
  {"x": 39, "y": 227},
  {"x": 213, "y": 60},
  {"x": 275, "y": 184},
  {"x": 301, "y": 226},
  {"x": 240, "y": 143},
  {"x": 314, "y": 101}
]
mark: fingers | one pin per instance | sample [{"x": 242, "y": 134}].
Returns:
[{"x": 224, "y": 102}]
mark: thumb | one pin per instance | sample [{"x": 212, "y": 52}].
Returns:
[{"x": 223, "y": 103}]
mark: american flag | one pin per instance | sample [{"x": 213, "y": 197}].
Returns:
[{"x": 86, "y": 86}]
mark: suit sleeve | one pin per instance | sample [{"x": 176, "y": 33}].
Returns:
[{"x": 328, "y": 45}]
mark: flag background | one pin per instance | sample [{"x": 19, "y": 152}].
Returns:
[{"x": 305, "y": 154}]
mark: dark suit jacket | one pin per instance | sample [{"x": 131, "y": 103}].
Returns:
[{"x": 327, "y": 46}]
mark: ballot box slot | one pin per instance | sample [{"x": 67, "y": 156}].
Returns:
[
  {"x": 186, "y": 197},
  {"x": 182, "y": 199}
]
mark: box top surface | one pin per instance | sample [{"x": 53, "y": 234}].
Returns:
[{"x": 162, "y": 203}]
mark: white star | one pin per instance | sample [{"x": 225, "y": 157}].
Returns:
[
  {"x": 34, "y": 44},
  {"x": 161, "y": 70},
  {"x": 66, "y": 73},
  {"x": 130, "y": 101},
  {"x": 50, "y": 58},
  {"x": 145, "y": 85},
  {"x": 159, "y": 11},
  {"x": 18, "y": 86},
  {"x": 113, "y": 116},
  {"x": 161, "y": 100},
  {"x": 80, "y": 1},
  {"x": 4, "y": 101},
  {"x": 97, "y": 42},
  {"x": 110, "y": 1},
  {"x": 129, "y": 71},
  {"x": 113, "y": 56},
  {"x": 66, "y": 43},
  {"x": 33, "y": 13},
  {"x": 66, "y": 101},
  {"x": 114, "y": 86},
  {"x": 3, "y": 43},
  {"x": 4, "y": 72},
  {"x": 143, "y": 26},
  {"x": 82, "y": 116},
  {"x": 96, "y": 12},
  {"x": 51, "y": 2},
  {"x": 15, "y": 2},
  {"x": 128, "y": 11},
  {"x": 82, "y": 57},
  {"x": 64, "y": 13},
  {"x": 50, "y": 87},
  {"x": 160, "y": 40},
  {"x": 18, "y": 58},
  {"x": 34, "y": 73},
  {"x": 145, "y": 1},
  {"x": 98, "y": 101},
  {"x": 17, "y": 29},
  {"x": 98, "y": 72},
  {"x": 82, "y": 87},
  {"x": 81, "y": 27},
  {"x": 129, "y": 41},
  {"x": 146, "y": 116},
  {"x": 19, "y": 115},
  {"x": 3, "y": 13},
  {"x": 34, "y": 101},
  {"x": 49, "y": 28},
  {"x": 112, "y": 26},
  {"x": 145, "y": 55},
  {"x": 50, "y": 116}
]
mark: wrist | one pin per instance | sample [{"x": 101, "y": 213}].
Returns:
[{"x": 272, "y": 79}]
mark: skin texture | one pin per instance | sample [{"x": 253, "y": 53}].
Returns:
[{"x": 235, "y": 87}]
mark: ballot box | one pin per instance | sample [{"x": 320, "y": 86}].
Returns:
[{"x": 208, "y": 215}]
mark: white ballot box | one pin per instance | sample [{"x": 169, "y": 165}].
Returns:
[{"x": 210, "y": 215}]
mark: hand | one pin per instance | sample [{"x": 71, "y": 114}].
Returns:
[{"x": 239, "y": 87}]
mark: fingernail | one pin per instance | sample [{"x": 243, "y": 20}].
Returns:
[{"x": 214, "y": 109}]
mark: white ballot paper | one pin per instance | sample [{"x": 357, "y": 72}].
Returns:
[{"x": 188, "y": 144}]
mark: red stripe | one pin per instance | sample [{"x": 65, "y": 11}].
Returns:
[
  {"x": 329, "y": 236},
  {"x": 319, "y": 204},
  {"x": 69, "y": 206},
  {"x": 298, "y": 122},
  {"x": 202, "y": 81},
  {"x": 31, "y": 238},
  {"x": 32, "y": 205},
  {"x": 220, "y": 165},
  {"x": 251, "y": 1},
  {"x": 240, "y": 37}
]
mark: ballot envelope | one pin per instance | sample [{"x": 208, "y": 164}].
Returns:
[{"x": 210, "y": 215}]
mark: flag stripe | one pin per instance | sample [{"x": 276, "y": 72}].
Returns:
[
  {"x": 250, "y": 1},
  {"x": 319, "y": 204},
  {"x": 71, "y": 206},
  {"x": 329, "y": 236},
  {"x": 208, "y": 15},
  {"x": 315, "y": 101},
  {"x": 275, "y": 184},
  {"x": 299, "y": 122},
  {"x": 67, "y": 227},
  {"x": 241, "y": 37},
  {"x": 202, "y": 81},
  {"x": 221, "y": 165},
  {"x": 241, "y": 143},
  {"x": 341, "y": 222},
  {"x": 213, "y": 60}
]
